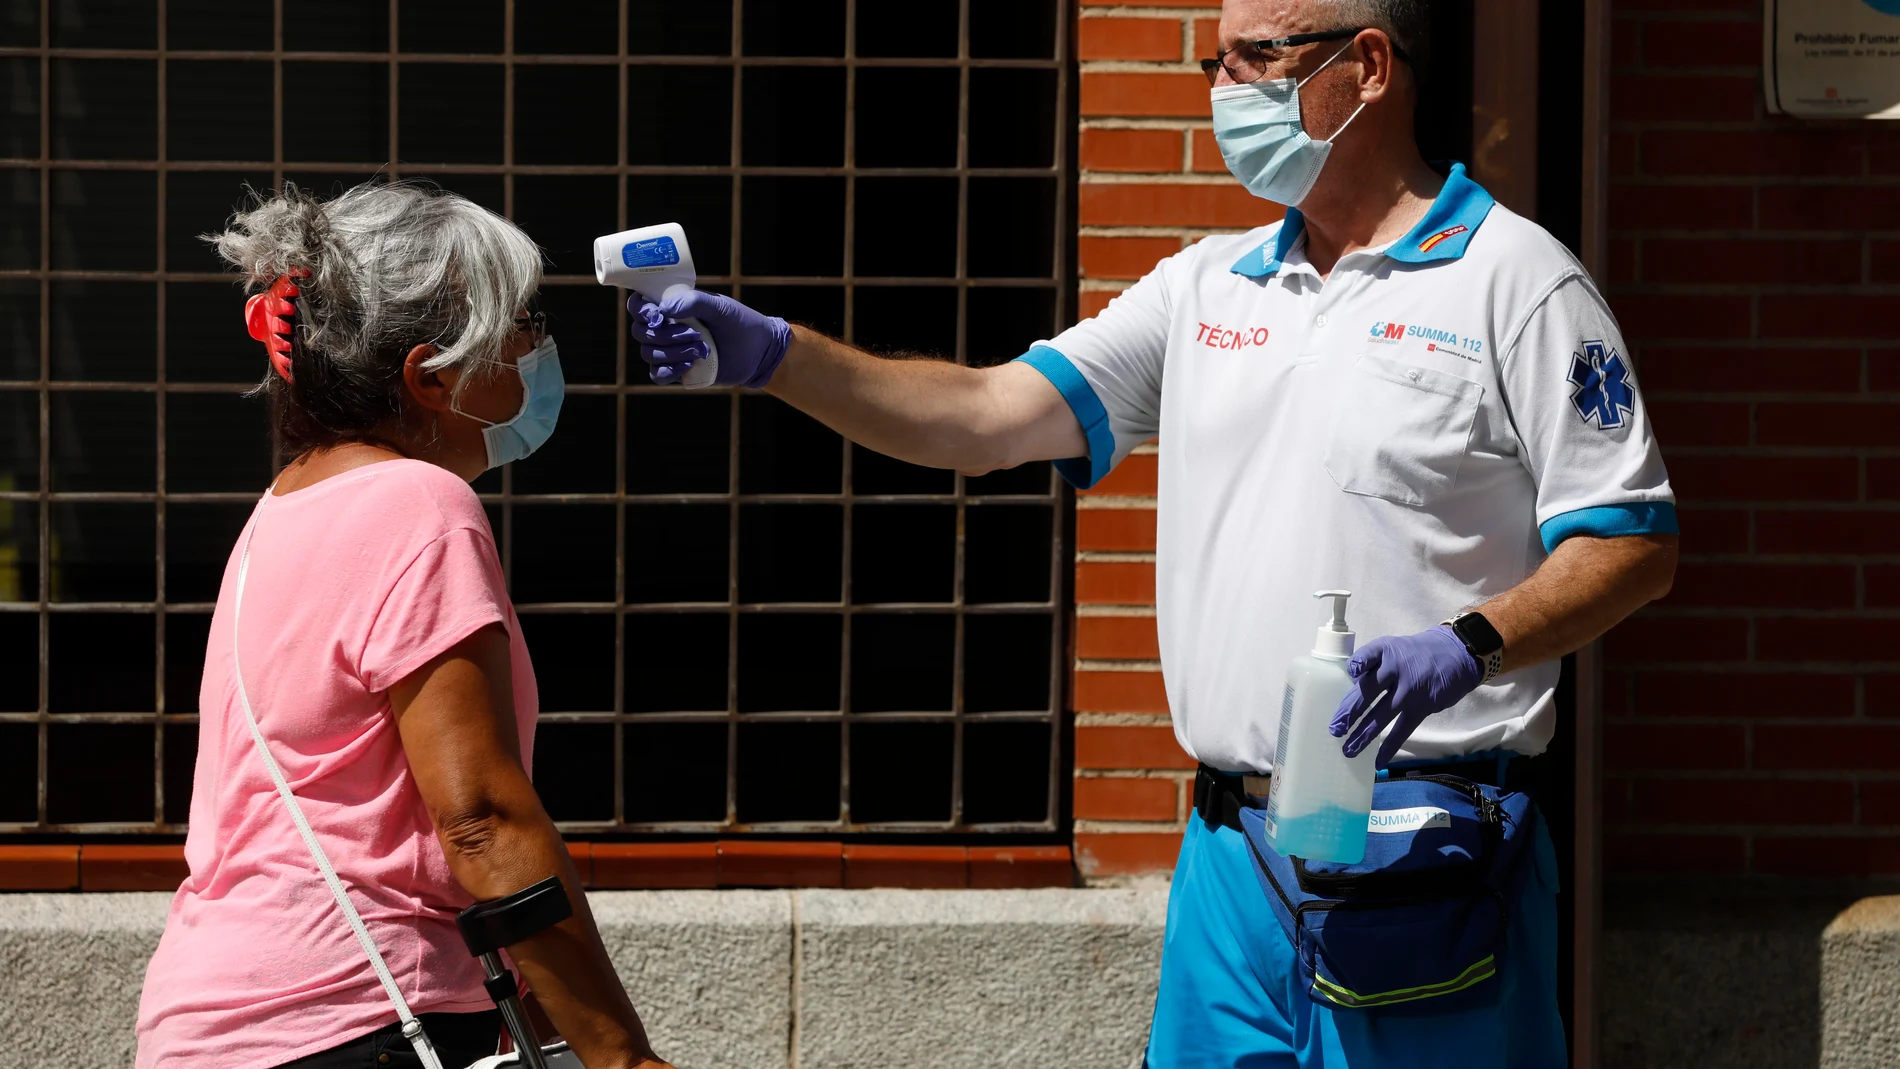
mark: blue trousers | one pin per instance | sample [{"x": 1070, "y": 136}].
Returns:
[{"x": 1231, "y": 995}]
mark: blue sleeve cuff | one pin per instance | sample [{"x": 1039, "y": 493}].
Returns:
[
  {"x": 1082, "y": 472},
  {"x": 1610, "y": 521}
]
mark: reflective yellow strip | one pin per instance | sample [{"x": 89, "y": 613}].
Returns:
[{"x": 1483, "y": 969}]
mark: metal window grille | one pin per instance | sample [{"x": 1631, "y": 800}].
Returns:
[{"x": 740, "y": 622}]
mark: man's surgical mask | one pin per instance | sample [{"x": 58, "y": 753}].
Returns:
[
  {"x": 1258, "y": 128},
  {"x": 542, "y": 389}
]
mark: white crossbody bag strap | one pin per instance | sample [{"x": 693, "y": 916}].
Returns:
[{"x": 411, "y": 1028}]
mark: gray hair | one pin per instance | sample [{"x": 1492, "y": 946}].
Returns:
[
  {"x": 1407, "y": 22},
  {"x": 390, "y": 266}
]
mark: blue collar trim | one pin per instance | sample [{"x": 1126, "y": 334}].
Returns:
[
  {"x": 1448, "y": 226},
  {"x": 1266, "y": 258}
]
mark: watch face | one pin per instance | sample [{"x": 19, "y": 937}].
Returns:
[{"x": 1478, "y": 634}]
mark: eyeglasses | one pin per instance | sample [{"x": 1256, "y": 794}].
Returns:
[
  {"x": 536, "y": 324},
  {"x": 1247, "y": 61}
]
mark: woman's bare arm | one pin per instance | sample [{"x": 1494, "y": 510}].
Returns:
[{"x": 456, "y": 716}]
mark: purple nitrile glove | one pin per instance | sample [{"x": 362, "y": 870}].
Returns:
[
  {"x": 1418, "y": 675},
  {"x": 751, "y": 345}
]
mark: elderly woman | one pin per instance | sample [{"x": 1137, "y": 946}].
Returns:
[{"x": 383, "y": 663}]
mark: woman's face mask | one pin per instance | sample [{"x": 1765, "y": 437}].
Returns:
[
  {"x": 1258, "y": 128},
  {"x": 542, "y": 389}
]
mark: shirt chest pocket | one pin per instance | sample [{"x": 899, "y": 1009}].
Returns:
[{"x": 1399, "y": 432}]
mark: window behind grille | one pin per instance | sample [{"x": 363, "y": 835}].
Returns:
[{"x": 739, "y": 621}]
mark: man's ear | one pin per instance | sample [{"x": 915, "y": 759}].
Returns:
[
  {"x": 428, "y": 388},
  {"x": 1377, "y": 65}
]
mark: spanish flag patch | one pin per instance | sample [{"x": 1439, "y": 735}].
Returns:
[{"x": 1432, "y": 242}]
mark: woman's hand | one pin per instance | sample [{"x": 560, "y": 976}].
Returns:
[{"x": 456, "y": 716}]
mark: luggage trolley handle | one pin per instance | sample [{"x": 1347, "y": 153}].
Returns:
[{"x": 487, "y": 927}]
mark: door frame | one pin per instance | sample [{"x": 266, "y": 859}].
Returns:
[
  {"x": 1587, "y": 1046},
  {"x": 1504, "y": 128}
]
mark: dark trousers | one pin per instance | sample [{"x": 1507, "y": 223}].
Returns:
[{"x": 459, "y": 1038}]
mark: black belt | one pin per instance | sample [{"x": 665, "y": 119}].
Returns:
[{"x": 1220, "y": 796}]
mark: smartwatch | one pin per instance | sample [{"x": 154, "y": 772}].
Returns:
[{"x": 1481, "y": 640}]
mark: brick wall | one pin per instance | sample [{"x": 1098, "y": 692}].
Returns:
[
  {"x": 1754, "y": 716},
  {"x": 1152, "y": 183}
]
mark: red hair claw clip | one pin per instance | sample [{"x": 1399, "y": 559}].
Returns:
[{"x": 271, "y": 317}]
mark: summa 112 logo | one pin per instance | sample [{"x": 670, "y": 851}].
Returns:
[{"x": 1385, "y": 332}]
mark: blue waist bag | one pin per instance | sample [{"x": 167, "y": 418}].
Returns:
[{"x": 1420, "y": 921}]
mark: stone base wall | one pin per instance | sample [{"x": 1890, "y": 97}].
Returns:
[
  {"x": 1714, "y": 978},
  {"x": 724, "y": 979}
]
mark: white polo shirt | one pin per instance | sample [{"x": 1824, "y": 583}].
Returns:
[{"x": 1421, "y": 428}]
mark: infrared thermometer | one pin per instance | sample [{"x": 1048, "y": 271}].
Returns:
[{"x": 655, "y": 262}]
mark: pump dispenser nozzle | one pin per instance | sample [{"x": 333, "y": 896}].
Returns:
[{"x": 1335, "y": 639}]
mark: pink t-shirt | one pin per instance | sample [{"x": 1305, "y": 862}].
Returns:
[{"x": 355, "y": 583}]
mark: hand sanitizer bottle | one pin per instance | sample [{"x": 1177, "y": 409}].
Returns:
[{"x": 1320, "y": 800}]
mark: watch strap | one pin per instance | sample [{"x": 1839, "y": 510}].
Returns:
[
  {"x": 1492, "y": 661},
  {"x": 1493, "y": 665}
]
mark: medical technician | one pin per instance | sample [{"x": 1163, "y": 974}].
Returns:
[{"x": 1402, "y": 389}]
